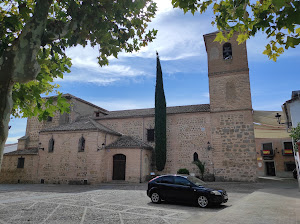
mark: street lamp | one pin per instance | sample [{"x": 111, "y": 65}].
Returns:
[
  {"x": 278, "y": 116},
  {"x": 208, "y": 146}
]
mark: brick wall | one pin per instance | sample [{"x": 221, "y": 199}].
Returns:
[{"x": 278, "y": 159}]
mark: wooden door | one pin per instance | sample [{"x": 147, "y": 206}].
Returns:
[
  {"x": 270, "y": 168},
  {"x": 119, "y": 167}
]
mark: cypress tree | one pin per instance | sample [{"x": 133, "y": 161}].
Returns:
[{"x": 160, "y": 119}]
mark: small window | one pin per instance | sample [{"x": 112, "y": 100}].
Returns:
[
  {"x": 267, "y": 150},
  {"x": 167, "y": 180},
  {"x": 182, "y": 181},
  {"x": 267, "y": 146},
  {"x": 195, "y": 157},
  {"x": 289, "y": 166},
  {"x": 288, "y": 145},
  {"x": 81, "y": 144},
  {"x": 49, "y": 119},
  {"x": 21, "y": 162},
  {"x": 51, "y": 145},
  {"x": 227, "y": 51},
  {"x": 97, "y": 114},
  {"x": 150, "y": 135}
]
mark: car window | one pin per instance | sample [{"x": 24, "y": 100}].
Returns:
[
  {"x": 167, "y": 180},
  {"x": 196, "y": 181},
  {"x": 182, "y": 181}
]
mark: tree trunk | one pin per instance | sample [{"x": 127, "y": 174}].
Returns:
[
  {"x": 6, "y": 104},
  {"x": 19, "y": 64}
]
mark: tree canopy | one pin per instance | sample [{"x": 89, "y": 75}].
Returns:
[
  {"x": 34, "y": 35},
  {"x": 279, "y": 19},
  {"x": 113, "y": 25}
]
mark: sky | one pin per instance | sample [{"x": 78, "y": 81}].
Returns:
[{"x": 129, "y": 81}]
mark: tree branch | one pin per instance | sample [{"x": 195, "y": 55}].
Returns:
[
  {"x": 58, "y": 30},
  {"x": 27, "y": 46}
]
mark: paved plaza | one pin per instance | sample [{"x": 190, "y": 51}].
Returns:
[{"x": 113, "y": 203}]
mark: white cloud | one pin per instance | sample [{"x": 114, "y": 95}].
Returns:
[
  {"x": 11, "y": 140},
  {"x": 92, "y": 73},
  {"x": 179, "y": 36},
  {"x": 163, "y": 6}
]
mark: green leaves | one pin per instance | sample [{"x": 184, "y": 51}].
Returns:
[
  {"x": 160, "y": 120},
  {"x": 114, "y": 26},
  {"x": 279, "y": 19},
  {"x": 295, "y": 134}
]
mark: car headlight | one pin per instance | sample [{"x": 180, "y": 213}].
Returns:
[{"x": 216, "y": 192}]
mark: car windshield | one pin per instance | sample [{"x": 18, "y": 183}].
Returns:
[{"x": 196, "y": 181}]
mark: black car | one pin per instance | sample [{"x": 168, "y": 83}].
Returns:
[{"x": 180, "y": 188}]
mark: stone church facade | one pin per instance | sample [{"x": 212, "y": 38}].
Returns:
[{"x": 91, "y": 145}]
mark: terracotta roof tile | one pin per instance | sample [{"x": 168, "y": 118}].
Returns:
[
  {"x": 128, "y": 142},
  {"x": 150, "y": 111},
  {"x": 33, "y": 151},
  {"x": 84, "y": 124}
]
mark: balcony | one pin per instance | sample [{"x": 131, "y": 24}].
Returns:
[{"x": 267, "y": 153}]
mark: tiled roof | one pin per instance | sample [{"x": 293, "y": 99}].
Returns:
[
  {"x": 128, "y": 142},
  {"x": 150, "y": 111},
  {"x": 24, "y": 137},
  {"x": 69, "y": 96},
  {"x": 33, "y": 151},
  {"x": 268, "y": 119},
  {"x": 84, "y": 124},
  {"x": 266, "y": 125}
]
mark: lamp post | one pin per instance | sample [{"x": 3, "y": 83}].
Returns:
[
  {"x": 278, "y": 116},
  {"x": 208, "y": 146}
]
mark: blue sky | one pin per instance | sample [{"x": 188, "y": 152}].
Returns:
[{"x": 129, "y": 81}]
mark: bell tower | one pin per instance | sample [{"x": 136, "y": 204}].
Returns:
[
  {"x": 228, "y": 72},
  {"x": 232, "y": 136}
]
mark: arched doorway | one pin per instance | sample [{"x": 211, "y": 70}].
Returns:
[{"x": 119, "y": 166}]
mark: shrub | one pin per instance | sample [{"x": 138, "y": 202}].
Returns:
[
  {"x": 201, "y": 166},
  {"x": 183, "y": 171}
]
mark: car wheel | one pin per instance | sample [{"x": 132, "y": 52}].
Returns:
[
  {"x": 155, "y": 198},
  {"x": 202, "y": 201}
]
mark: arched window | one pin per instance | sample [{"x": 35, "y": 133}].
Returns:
[
  {"x": 227, "y": 51},
  {"x": 81, "y": 144},
  {"x": 195, "y": 157},
  {"x": 51, "y": 145}
]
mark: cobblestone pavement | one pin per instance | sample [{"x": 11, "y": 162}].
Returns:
[{"x": 111, "y": 203}]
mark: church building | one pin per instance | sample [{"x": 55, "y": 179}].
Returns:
[{"x": 91, "y": 145}]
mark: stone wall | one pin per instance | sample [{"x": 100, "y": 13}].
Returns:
[
  {"x": 133, "y": 165},
  {"x": 186, "y": 134},
  {"x": 233, "y": 146},
  {"x": 34, "y": 126},
  {"x": 67, "y": 164},
  {"x": 10, "y": 174}
]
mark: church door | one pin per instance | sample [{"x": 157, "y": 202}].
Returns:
[{"x": 119, "y": 165}]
